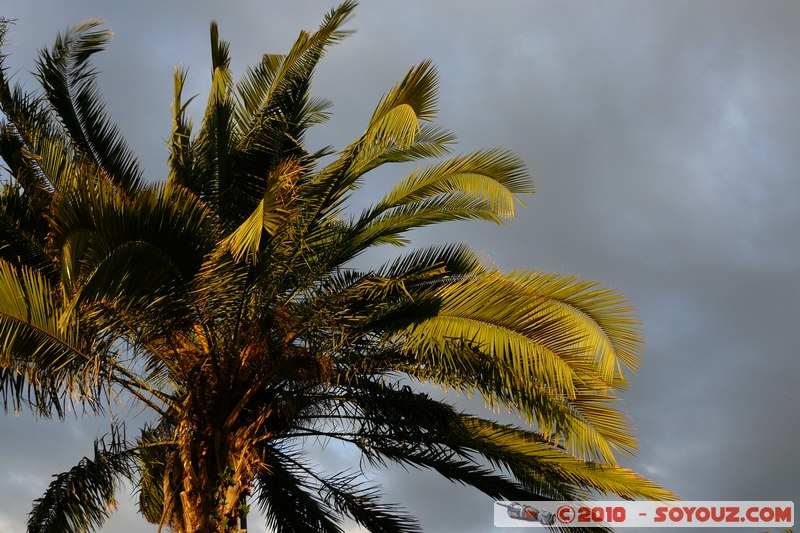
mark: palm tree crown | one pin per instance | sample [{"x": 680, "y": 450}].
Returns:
[{"x": 226, "y": 299}]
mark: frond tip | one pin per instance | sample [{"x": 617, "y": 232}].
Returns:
[{"x": 82, "y": 498}]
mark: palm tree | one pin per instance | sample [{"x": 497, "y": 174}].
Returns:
[{"x": 227, "y": 300}]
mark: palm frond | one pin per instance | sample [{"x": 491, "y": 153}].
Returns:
[
  {"x": 82, "y": 498},
  {"x": 395, "y": 424},
  {"x": 456, "y": 259},
  {"x": 429, "y": 142},
  {"x": 27, "y": 123},
  {"x": 272, "y": 110},
  {"x": 394, "y": 124},
  {"x": 271, "y": 213},
  {"x": 153, "y": 450},
  {"x": 532, "y": 342},
  {"x": 392, "y": 226},
  {"x": 397, "y": 116},
  {"x": 352, "y": 496},
  {"x": 22, "y": 229},
  {"x": 68, "y": 79},
  {"x": 53, "y": 361},
  {"x": 216, "y": 137},
  {"x": 287, "y": 77},
  {"x": 589, "y": 425},
  {"x": 494, "y": 176},
  {"x": 181, "y": 156},
  {"x": 523, "y": 452},
  {"x": 103, "y": 234},
  {"x": 287, "y": 500}
]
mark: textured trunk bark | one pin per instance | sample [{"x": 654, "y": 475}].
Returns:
[{"x": 216, "y": 481}]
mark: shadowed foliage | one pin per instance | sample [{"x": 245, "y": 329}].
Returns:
[{"x": 226, "y": 299}]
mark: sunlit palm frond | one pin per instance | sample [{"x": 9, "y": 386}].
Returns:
[
  {"x": 55, "y": 361},
  {"x": 523, "y": 451},
  {"x": 153, "y": 451},
  {"x": 537, "y": 345},
  {"x": 394, "y": 124},
  {"x": 397, "y": 116},
  {"x": 181, "y": 157},
  {"x": 494, "y": 176},
  {"x": 430, "y": 141}
]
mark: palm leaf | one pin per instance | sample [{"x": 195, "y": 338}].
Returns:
[
  {"x": 103, "y": 235},
  {"x": 216, "y": 137},
  {"x": 287, "y": 501},
  {"x": 21, "y": 231},
  {"x": 82, "y": 498},
  {"x": 522, "y": 451},
  {"x": 68, "y": 79},
  {"x": 534, "y": 352},
  {"x": 494, "y": 176},
  {"x": 181, "y": 156},
  {"x": 361, "y": 502},
  {"x": 53, "y": 360}
]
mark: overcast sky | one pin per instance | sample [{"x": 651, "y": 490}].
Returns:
[{"x": 664, "y": 138}]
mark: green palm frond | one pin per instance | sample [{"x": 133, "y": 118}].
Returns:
[
  {"x": 282, "y": 75},
  {"x": 181, "y": 157},
  {"x": 393, "y": 226},
  {"x": 153, "y": 451},
  {"x": 494, "y": 176},
  {"x": 478, "y": 186},
  {"x": 430, "y": 142},
  {"x": 287, "y": 500},
  {"x": 216, "y": 137},
  {"x": 82, "y": 498},
  {"x": 27, "y": 124},
  {"x": 350, "y": 496},
  {"x": 541, "y": 341},
  {"x": 253, "y": 87},
  {"x": 102, "y": 235},
  {"x": 272, "y": 213},
  {"x": 522, "y": 451},
  {"x": 589, "y": 428},
  {"x": 394, "y": 125},
  {"x": 268, "y": 113},
  {"x": 68, "y": 79},
  {"x": 34, "y": 149},
  {"x": 280, "y": 82},
  {"x": 22, "y": 230},
  {"x": 413, "y": 99},
  {"x": 521, "y": 319},
  {"x": 504, "y": 326},
  {"x": 54, "y": 360},
  {"x": 455, "y": 259},
  {"x": 612, "y": 335},
  {"x": 392, "y": 424}
]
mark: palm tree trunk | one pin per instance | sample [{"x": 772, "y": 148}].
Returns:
[{"x": 215, "y": 484}]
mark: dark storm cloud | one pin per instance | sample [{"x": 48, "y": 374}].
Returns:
[{"x": 663, "y": 138}]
